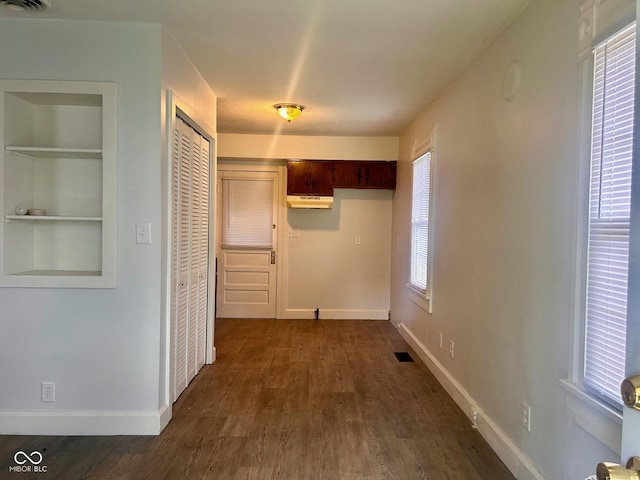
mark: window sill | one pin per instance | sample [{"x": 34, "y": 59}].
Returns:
[
  {"x": 419, "y": 298},
  {"x": 601, "y": 421}
]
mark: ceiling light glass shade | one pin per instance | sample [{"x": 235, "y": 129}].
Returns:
[
  {"x": 26, "y": 5},
  {"x": 288, "y": 111}
]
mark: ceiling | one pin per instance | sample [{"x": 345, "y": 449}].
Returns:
[{"x": 359, "y": 67}]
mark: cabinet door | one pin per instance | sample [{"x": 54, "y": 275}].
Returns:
[
  {"x": 309, "y": 177},
  {"x": 351, "y": 174},
  {"x": 358, "y": 174},
  {"x": 297, "y": 178},
  {"x": 379, "y": 175},
  {"x": 320, "y": 174}
]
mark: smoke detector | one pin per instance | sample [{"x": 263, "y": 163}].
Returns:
[{"x": 26, "y": 5}]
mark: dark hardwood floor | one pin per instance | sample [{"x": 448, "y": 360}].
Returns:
[{"x": 290, "y": 400}]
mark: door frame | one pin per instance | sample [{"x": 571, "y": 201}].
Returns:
[
  {"x": 261, "y": 166},
  {"x": 175, "y": 106}
]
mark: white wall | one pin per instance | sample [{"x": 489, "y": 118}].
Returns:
[
  {"x": 505, "y": 191},
  {"x": 327, "y": 270},
  {"x": 300, "y": 147},
  {"x": 100, "y": 346}
]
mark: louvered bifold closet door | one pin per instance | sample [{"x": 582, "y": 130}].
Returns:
[
  {"x": 183, "y": 257},
  {"x": 175, "y": 217},
  {"x": 190, "y": 253},
  {"x": 203, "y": 252},
  {"x": 194, "y": 239}
]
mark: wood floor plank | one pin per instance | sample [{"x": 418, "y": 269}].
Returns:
[{"x": 290, "y": 400}]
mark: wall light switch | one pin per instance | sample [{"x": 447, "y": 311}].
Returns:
[
  {"x": 143, "y": 233},
  {"x": 357, "y": 240}
]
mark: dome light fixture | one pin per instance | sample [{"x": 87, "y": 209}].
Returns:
[
  {"x": 289, "y": 111},
  {"x": 26, "y": 5}
]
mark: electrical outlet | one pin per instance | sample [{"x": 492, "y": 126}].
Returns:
[
  {"x": 356, "y": 240},
  {"x": 441, "y": 338},
  {"x": 451, "y": 348},
  {"x": 526, "y": 416},
  {"x": 48, "y": 392},
  {"x": 474, "y": 419}
]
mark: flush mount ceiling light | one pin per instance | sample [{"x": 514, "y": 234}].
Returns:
[
  {"x": 26, "y": 5},
  {"x": 288, "y": 111}
]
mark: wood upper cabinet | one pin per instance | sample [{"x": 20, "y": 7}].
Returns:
[
  {"x": 358, "y": 174},
  {"x": 320, "y": 177},
  {"x": 310, "y": 177}
]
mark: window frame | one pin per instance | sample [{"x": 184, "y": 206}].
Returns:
[
  {"x": 424, "y": 298},
  {"x": 576, "y": 380},
  {"x": 607, "y": 223}
]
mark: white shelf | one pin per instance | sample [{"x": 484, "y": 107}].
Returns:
[
  {"x": 53, "y": 152},
  {"x": 60, "y": 273},
  {"x": 53, "y": 218}
]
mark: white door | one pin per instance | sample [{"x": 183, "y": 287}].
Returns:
[
  {"x": 189, "y": 254},
  {"x": 247, "y": 245}
]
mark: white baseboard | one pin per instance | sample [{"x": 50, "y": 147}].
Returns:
[
  {"x": 337, "y": 314},
  {"x": 84, "y": 422},
  {"x": 212, "y": 357},
  {"x": 166, "y": 413},
  {"x": 516, "y": 461}
]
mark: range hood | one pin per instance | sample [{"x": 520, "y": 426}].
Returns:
[{"x": 309, "y": 201}]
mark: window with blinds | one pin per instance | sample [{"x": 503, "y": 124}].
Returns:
[
  {"x": 247, "y": 213},
  {"x": 420, "y": 212},
  {"x": 609, "y": 215}
]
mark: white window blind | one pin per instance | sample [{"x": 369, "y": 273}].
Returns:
[
  {"x": 609, "y": 214},
  {"x": 420, "y": 209},
  {"x": 247, "y": 213}
]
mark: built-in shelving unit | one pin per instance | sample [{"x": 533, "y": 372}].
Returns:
[
  {"x": 49, "y": 152},
  {"x": 58, "y": 144},
  {"x": 50, "y": 218}
]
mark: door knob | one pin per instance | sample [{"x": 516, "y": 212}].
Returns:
[
  {"x": 613, "y": 471},
  {"x": 630, "y": 391}
]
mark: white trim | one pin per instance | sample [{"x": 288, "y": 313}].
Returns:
[
  {"x": 515, "y": 459},
  {"x": 83, "y": 422},
  {"x": 419, "y": 298},
  {"x": 279, "y": 168},
  {"x": 337, "y": 314},
  {"x": 599, "y": 420},
  {"x": 166, "y": 413},
  {"x": 214, "y": 355},
  {"x": 597, "y": 19},
  {"x": 420, "y": 148}
]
